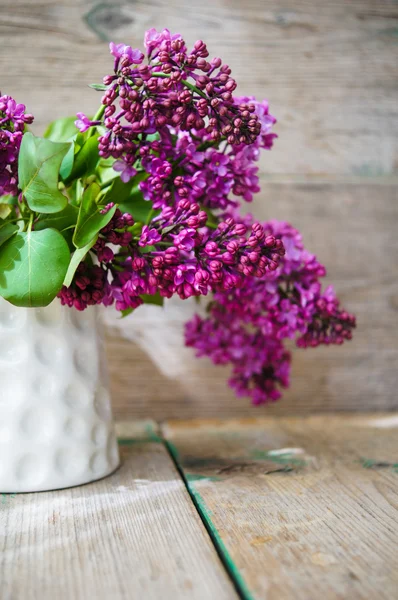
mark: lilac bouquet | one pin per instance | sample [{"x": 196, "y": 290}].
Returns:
[{"x": 142, "y": 201}]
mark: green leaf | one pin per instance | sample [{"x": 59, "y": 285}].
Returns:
[
  {"x": 153, "y": 299},
  {"x": 61, "y": 130},
  {"x": 168, "y": 229},
  {"x": 211, "y": 220},
  {"x": 130, "y": 198},
  {"x": 33, "y": 266},
  {"x": 61, "y": 220},
  {"x": 100, "y": 87},
  {"x": 126, "y": 312},
  {"x": 118, "y": 190},
  {"x": 5, "y": 210},
  {"x": 7, "y": 230},
  {"x": 86, "y": 160},
  {"x": 121, "y": 192},
  {"x": 146, "y": 249},
  {"x": 140, "y": 209},
  {"x": 77, "y": 258},
  {"x": 64, "y": 130},
  {"x": 107, "y": 174},
  {"x": 8, "y": 199},
  {"x": 38, "y": 167},
  {"x": 67, "y": 163},
  {"x": 90, "y": 220}
]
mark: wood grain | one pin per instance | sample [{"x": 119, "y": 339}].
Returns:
[
  {"x": 302, "y": 508},
  {"x": 352, "y": 229},
  {"x": 134, "y": 534}
]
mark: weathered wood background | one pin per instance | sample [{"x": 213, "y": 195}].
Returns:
[{"x": 329, "y": 70}]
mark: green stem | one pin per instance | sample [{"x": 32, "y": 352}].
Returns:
[
  {"x": 16, "y": 220},
  {"x": 30, "y": 222},
  {"x": 97, "y": 117},
  {"x": 100, "y": 113},
  {"x": 106, "y": 184}
]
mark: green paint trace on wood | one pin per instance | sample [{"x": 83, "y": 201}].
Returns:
[
  {"x": 152, "y": 436},
  {"x": 136, "y": 433},
  {"x": 131, "y": 441},
  {"x": 219, "y": 544},
  {"x": 6, "y": 497},
  {"x": 206, "y": 516},
  {"x": 369, "y": 463}
]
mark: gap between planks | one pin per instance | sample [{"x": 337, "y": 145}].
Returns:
[
  {"x": 300, "y": 507},
  {"x": 134, "y": 534}
]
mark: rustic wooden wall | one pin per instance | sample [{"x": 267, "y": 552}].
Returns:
[{"x": 329, "y": 70}]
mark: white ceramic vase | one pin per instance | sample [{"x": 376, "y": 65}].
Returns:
[{"x": 56, "y": 427}]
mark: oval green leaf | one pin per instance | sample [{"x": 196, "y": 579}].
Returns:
[
  {"x": 85, "y": 161},
  {"x": 38, "y": 168},
  {"x": 7, "y": 230},
  {"x": 61, "y": 130},
  {"x": 61, "y": 220},
  {"x": 77, "y": 257},
  {"x": 33, "y": 266},
  {"x": 90, "y": 220}
]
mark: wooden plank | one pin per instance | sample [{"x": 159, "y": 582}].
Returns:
[
  {"x": 329, "y": 69},
  {"x": 337, "y": 222},
  {"x": 135, "y": 534},
  {"x": 304, "y": 508}
]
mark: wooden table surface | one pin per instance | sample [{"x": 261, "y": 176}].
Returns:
[
  {"x": 275, "y": 508},
  {"x": 268, "y": 508}
]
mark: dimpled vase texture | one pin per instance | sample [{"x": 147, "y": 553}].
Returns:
[{"x": 56, "y": 427}]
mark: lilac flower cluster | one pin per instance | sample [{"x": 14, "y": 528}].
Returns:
[
  {"x": 13, "y": 119},
  {"x": 91, "y": 285},
  {"x": 191, "y": 165},
  {"x": 177, "y": 254},
  {"x": 171, "y": 127},
  {"x": 170, "y": 119},
  {"x": 246, "y": 325},
  {"x": 178, "y": 91}
]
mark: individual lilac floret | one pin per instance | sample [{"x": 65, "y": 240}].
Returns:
[
  {"x": 83, "y": 123},
  {"x": 126, "y": 170}
]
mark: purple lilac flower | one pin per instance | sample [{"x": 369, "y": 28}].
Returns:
[
  {"x": 158, "y": 40},
  {"x": 260, "y": 364},
  {"x": 13, "y": 120},
  {"x": 149, "y": 236},
  {"x": 123, "y": 51},
  {"x": 247, "y": 324},
  {"x": 177, "y": 89},
  {"x": 90, "y": 287},
  {"x": 177, "y": 119},
  {"x": 187, "y": 258},
  {"x": 83, "y": 123},
  {"x": 126, "y": 170},
  {"x": 213, "y": 178}
]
